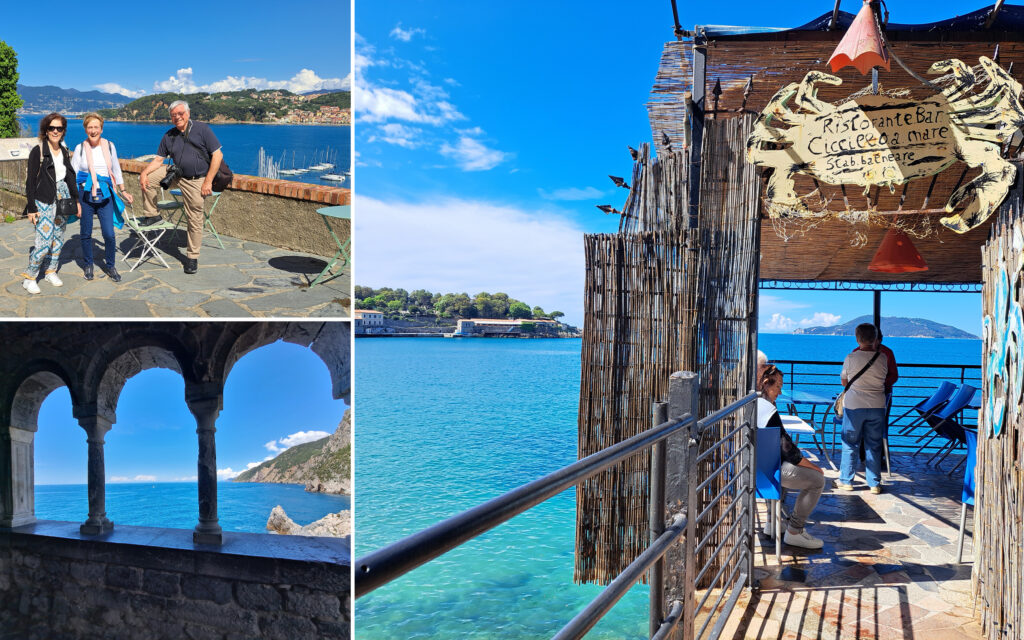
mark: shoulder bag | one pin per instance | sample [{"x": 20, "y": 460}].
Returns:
[
  {"x": 64, "y": 207},
  {"x": 838, "y": 406},
  {"x": 224, "y": 175}
]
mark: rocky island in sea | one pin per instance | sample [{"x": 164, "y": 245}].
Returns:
[
  {"x": 323, "y": 466},
  {"x": 893, "y": 328},
  {"x": 388, "y": 312}
]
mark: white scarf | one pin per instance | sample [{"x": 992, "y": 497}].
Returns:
[{"x": 105, "y": 148}]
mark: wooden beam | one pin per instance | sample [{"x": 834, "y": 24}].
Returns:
[{"x": 990, "y": 20}]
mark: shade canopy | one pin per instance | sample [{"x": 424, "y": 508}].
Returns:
[
  {"x": 862, "y": 46},
  {"x": 897, "y": 254}
]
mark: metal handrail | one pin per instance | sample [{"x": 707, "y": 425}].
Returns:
[{"x": 380, "y": 567}]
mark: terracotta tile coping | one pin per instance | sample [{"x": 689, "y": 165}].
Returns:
[{"x": 320, "y": 194}]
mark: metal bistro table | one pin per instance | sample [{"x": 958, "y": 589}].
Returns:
[
  {"x": 793, "y": 399},
  {"x": 341, "y": 212}
]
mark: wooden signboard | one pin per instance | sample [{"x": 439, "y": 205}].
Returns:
[{"x": 878, "y": 140}]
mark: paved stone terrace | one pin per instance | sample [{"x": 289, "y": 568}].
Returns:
[
  {"x": 888, "y": 569},
  {"x": 245, "y": 279}
]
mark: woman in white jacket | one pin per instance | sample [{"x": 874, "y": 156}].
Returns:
[{"x": 100, "y": 182}]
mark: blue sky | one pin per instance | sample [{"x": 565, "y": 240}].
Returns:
[
  {"x": 276, "y": 396},
  {"x": 144, "y": 48},
  {"x": 485, "y": 134}
]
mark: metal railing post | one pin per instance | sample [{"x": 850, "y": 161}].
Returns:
[
  {"x": 682, "y": 399},
  {"x": 750, "y": 460},
  {"x": 659, "y": 415}
]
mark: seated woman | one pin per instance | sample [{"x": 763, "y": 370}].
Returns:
[{"x": 798, "y": 472}]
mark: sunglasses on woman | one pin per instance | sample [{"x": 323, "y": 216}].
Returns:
[{"x": 54, "y": 129}]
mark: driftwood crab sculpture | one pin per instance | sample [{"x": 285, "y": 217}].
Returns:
[{"x": 886, "y": 141}]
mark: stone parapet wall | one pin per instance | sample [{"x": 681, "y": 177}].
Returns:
[
  {"x": 66, "y": 588},
  {"x": 280, "y": 213}
]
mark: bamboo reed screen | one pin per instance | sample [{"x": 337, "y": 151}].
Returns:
[
  {"x": 661, "y": 297},
  {"x": 999, "y": 479}
]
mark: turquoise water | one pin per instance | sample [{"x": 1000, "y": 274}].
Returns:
[
  {"x": 241, "y": 143},
  {"x": 241, "y": 506},
  {"x": 443, "y": 425}
]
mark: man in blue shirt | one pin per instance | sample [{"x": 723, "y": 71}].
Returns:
[{"x": 196, "y": 152}]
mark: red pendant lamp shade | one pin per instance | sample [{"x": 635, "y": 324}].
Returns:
[
  {"x": 897, "y": 255},
  {"x": 862, "y": 46}
]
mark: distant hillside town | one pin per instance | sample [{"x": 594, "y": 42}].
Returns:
[{"x": 269, "y": 106}]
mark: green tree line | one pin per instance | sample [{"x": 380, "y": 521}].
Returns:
[{"x": 448, "y": 305}]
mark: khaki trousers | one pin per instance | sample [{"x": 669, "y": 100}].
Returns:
[{"x": 191, "y": 193}]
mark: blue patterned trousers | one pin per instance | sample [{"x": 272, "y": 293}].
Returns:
[{"x": 49, "y": 236}]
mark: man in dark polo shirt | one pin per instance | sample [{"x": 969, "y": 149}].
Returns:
[{"x": 196, "y": 152}]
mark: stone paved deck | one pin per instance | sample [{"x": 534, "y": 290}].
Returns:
[
  {"x": 245, "y": 279},
  {"x": 888, "y": 569}
]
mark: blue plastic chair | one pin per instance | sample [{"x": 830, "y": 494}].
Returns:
[
  {"x": 943, "y": 422},
  {"x": 768, "y": 485},
  {"x": 928, "y": 406},
  {"x": 967, "y": 498}
]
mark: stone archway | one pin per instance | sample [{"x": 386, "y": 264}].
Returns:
[
  {"x": 97, "y": 359},
  {"x": 17, "y": 442}
]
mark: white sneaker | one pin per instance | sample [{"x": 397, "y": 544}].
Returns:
[
  {"x": 30, "y": 285},
  {"x": 55, "y": 280},
  {"x": 803, "y": 539}
]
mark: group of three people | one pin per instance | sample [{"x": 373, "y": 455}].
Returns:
[
  {"x": 91, "y": 177},
  {"x": 868, "y": 374}
]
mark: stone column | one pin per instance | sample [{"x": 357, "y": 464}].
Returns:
[
  {"x": 17, "y": 477},
  {"x": 96, "y": 427},
  {"x": 205, "y": 410}
]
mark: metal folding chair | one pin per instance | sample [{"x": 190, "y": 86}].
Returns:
[
  {"x": 769, "y": 480},
  {"x": 927, "y": 406},
  {"x": 967, "y": 497},
  {"x": 206, "y": 212},
  {"x": 147, "y": 236}
]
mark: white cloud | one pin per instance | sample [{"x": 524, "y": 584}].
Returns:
[
  {"x": 252, "y": 464},
  {"x": 401, "y": 135},
  {"x": 138, "y": 478},
  {"x": 779, "y": 324},
  {"x": 473, "y": 155},
  {"x": 536, "y": 258},
  {"x": 272, "y": 446},
  {"x": 187, "y": 479},
  {"x": 820, "y": 319},
  {"x": 377, "y": 104},
  {"x": 571, "y": 193},
  {"x": 301, "y": 437},
  {"x": 227, "y": 474},
  {"x": 768, "y": 303},
  {"x": 305, "y": 81},
  {"x": 113, "y": 87},
  {"x": 405, "y": 35}
]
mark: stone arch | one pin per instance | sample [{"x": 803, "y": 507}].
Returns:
[
  {"x": 329, "y": 340},
  {"x": 126, "y": 355},
  {"x": 37, "y": 380}
]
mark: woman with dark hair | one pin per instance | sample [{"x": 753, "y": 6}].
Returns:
[
  {"x": 797, "y": 472},
  {"x": 50, "y": 178}
]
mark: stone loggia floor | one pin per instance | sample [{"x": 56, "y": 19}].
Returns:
[
  {"x": 888, "y": 569},
  {"x": 245, "y": 279}
]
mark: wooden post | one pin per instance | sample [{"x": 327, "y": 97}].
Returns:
[{"x": 680, "y": 494}]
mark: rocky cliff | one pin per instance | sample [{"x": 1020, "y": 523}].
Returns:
[
  {"x": 322, "y": 465},
  {"x": 334, "y": 525}
]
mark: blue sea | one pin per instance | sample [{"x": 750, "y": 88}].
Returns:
[
  {"x": 444, "y": 425},
  {"x": 241, "y": 506},
  {"x": 241, "y": 143}
]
